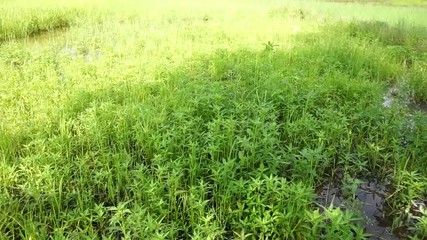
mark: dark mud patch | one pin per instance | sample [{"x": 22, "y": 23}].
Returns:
[
  {"x": 366, "y": 197},
  {"x": 418, "y": 107}
]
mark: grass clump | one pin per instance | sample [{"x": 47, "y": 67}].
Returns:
[
  {"x": 21, "y": 20},
  {"x": 396, "y": 46}
]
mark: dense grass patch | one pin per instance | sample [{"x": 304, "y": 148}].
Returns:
[
  {"x": 207, "y": 132},
  {"x": 20, "y": 19}
]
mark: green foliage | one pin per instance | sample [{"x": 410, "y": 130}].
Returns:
[
  {"x": 21, "y": 21},
  {"x": 155, "y": 125}
]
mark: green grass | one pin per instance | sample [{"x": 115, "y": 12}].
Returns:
[
  {"x": 20, "y": 19},
  {"x": 359, "y": 10},
  {"x": 385, "y": 2},
  {"x": 187, "y": 120}
]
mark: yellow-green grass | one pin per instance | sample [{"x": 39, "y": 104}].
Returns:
[{"x": 20, "y": 19}]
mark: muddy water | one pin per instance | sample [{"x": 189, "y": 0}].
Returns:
[
  {"x": 418, "y": 107},
  {"x": 393, "y": 97},
  {"x": 369, "y": 200}
]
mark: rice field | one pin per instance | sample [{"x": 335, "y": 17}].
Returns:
[{"x": 213, "y": 119}]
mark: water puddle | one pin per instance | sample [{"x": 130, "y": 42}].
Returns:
[
  {"x": 390, "y": 97},
  {"x": 366, "y": 197},
  {"x": 50, "y": 38},
  {"x": 394, "y": 96},
  {"x": 418, "y": 107},
  {"x": 45, "y": 38},
  {"x": 88, "y": 55}
]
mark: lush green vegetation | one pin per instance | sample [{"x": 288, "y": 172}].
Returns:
[
  {"x": 20, "y": 19},
  {"x": 187, "y": 120}
]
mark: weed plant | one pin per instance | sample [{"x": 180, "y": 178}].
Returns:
[{"x": 205, "y": 125}]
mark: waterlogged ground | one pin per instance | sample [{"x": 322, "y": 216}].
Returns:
[
  {"x": 187, "y": 120},
  {"x": 366, "y": 197}
]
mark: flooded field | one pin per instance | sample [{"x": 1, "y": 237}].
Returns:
[{"x": 368, "y": 198}]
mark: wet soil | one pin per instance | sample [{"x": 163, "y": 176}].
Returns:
[
  {"x": 393, "y": 96},
  {"x": 418, "y": 107},
  {"x": 369, "y": 200},
  {"x": 48, "y": 38},
  {"x": 45, "y": 37}
]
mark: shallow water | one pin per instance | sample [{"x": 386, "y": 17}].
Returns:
[
  {"x": 369, "y": 200},
  {"x": 392, "y": 97},
  {"x": 45, "y": 38},
  {"x": 68, "y": 50},
  {"x": 418, "y": 107}
]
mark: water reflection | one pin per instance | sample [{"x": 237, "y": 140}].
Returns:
[{"x": 369, "y": 200}]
